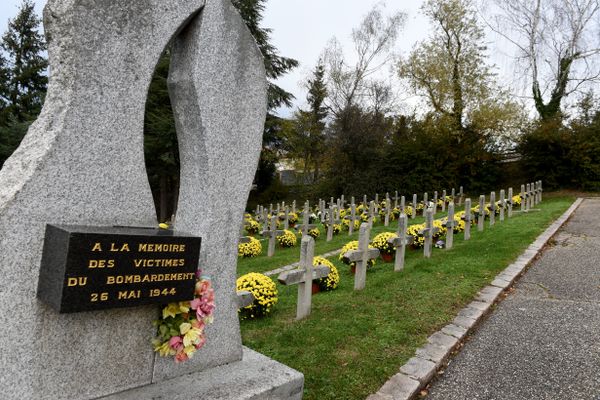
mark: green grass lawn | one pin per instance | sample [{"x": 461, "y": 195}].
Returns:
[{"x": 354, "y": 341}]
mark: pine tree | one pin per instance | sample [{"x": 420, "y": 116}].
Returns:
[
  {"x": 24, "y": 68},
  {"x": 23, "y": 79}
]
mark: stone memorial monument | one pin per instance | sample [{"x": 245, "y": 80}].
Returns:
[{"x": 82, "y": 163}]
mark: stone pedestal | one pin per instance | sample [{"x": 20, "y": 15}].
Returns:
[{"x": 255, "y": 377}]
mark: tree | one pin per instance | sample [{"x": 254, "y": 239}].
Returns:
[
  {"x": 557, "y": 43},
  {"x": 450, "y": 69},
  {"x": 305, "y": 142},
  {"x": 349, "y": 85},
  {"x": 23, "y": 69},
  {"x": 23, "y": 79}
]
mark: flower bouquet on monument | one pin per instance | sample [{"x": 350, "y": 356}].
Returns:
[{"x": 180, "y": 329}]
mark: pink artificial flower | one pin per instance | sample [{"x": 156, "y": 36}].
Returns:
[
  {"x": 194, "y": 304},
  {"x": 198, "y": 324},
  {"x": 204, "y": 309},
  {"x": 176, "y": 342},
  {"x": 181, "y": 356},
  {"x": 201, "y": 342}
]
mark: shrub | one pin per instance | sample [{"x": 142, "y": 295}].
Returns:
[
  {"x": 331, "y": 281},
  {"x": 252, "y": 248},
  {"x": 264, "y": 291}
]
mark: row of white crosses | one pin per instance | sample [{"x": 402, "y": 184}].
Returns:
[
  {"x": 531, "y": 194},
  {"x": 307, "y": 273}
]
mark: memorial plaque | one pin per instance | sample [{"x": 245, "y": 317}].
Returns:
[{"x": 95, "y": 268}]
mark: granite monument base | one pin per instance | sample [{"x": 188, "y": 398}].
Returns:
[{"x": 255, "y": 377}]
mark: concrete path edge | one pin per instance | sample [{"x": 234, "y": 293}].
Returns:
[{"x": 417, "y": 373}]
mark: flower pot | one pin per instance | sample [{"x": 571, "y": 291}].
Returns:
[
  {"x": 387, "y": 257},
  {"x": 315, "y": 288}
]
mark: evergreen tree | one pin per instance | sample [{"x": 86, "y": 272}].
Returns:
[
  {"x": 23, "y": 79},
  {"x": 23, "y": 71},
  {"x": 306, "y": 141}
]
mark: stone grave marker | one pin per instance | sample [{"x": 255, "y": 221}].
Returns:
[
  {"x": 510, "y": 203},
  {"x": 372, "y": 210},
  {"x": 468, "y": 219},
  {"x": 352, "y": 217},
  {"x": 396, "y": 199},
  {"x": 402, "y": 204},
  {"x": 541, "y": 190},
  {"x": 453, "y": 195},
  {"x": 294, "y": 206},
  {"x": 400, "y": 242},
  {"x": 272, "y": 232},
  {"x": 523, "y": 197},
  {"x": 502, "y": 204},
  {"x": 343, "y": 202},
  {"x": 425, "y": 203},
  {"x": 527, "y": 197},
  {"x": 286, "y": 218},
  {"x": 362, "y": 256},
  {"x": 435, "y": 202},
  {"x": 414, "y": 206},
  {"x": 388, "y": 209},
  {"x": 365, "y": 204},
  {"x": 450, "y": 224},
  {"x": 460, "y": 196},
  {"x": 306, "y": 225},
  {"x": 492, "y": 208},
  {"x": 304, "y": 277},
  {"x": 428, "y": 232},
  {"x": 82, "y": 164},
  {"x": 332, "y": 219},
  {"x": 322, "y": 210},
  {"x": 481, "y": 216},
  {"x": 376, "y": 202},
  {"x": 443, "y": 200}
]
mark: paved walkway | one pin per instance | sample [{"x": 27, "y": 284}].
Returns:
[{"x": 543, "y": 341}]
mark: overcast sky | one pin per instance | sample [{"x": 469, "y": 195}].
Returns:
[{"x": 302, "y": 28}]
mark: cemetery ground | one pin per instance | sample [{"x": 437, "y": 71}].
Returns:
[{"x": 354, "y": 341}]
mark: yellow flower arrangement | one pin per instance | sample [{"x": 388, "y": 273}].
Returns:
[
  {"x": 331, "y": 281},
  {"x": 315, "y": 233},
  {"x": 292, "y": 218},
  {"x": 517, "y": 200},
  {"x": 364, "y": 217},
  {"x": 459, "y": 225},
  {"x": 353, "y": 245},
  {"x": 346, "y": 224},
  {"x": 381, "y": 242},
  {"x": 287, "y": 239},
  {"x": 408, "y": 210},
  {"x": 415, "y": 232},
  {"x": 252, "y": 248},
  {"x": 251, "y": 226},
  {"x": 264, "y": 291}
]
